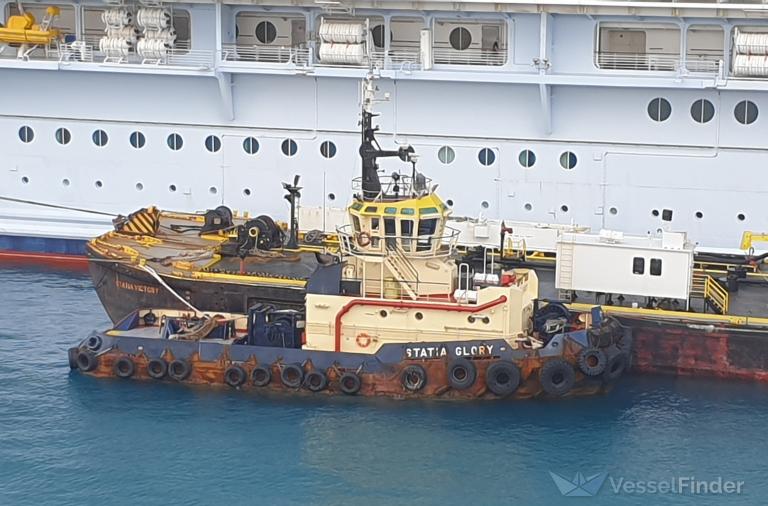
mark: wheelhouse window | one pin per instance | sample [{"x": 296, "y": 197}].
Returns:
[
  {"x": 470, "y": 42},
  {"x": 636, "y": 46}
]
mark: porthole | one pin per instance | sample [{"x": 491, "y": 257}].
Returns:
[
  {"x": 741, "y": 217},
  {"x": 98, "y": 184},
  {"x": 138, "y": 140},
  {"x": 486, "y": 156},
  {"x": 172, "y": 188},
  {"x": 383, "y": 313},
  {"x": 25, "y": 180},
  {"x": 449, "y": 203},
  {"x": 702, "y": 111},
  {"x": 328, "y": 149},
  {"x": 139, "y": 186},
  {"x": 289, "y": 147},
  {"x": 213, "y": 190},
  {"x": 377, "y": 34},
  {"x": 568, "y": 160},
  {"x": 528, "y": 207},
  {"x": 250, "y": 145},
  {"x": 699, "y": 215},
  {"x": 65, "y": 182},
  {"x": 247, "y": 192},
  {"x": 527, "y": 158},
  {"x": 655, "y": 212},
  {"x": 446, "y": 155},
  {"x": 63, "y": 136},
  {"x": 26, "y": 134},
  {"x": 659, "y": 109},
  {"x": 175, "y": 142},
  {"x": 331, "y": 196},
  {"x": 745, "y": 112},
  {"x": 484, "y": 204},
  {"x": 613, "y": 211},
  {"x": 564, "y": 208},
  {"x": 460, "y": 38},
  {"x": 419, "y": 315},
  {"x": 100, "y": 138},
  {"x": 212, "y": 143},
  {"x": 266, "y": 33}
]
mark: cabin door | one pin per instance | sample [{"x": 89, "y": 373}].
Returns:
[
  {"x": 298, "y": 32},
  {"x": 490, "y": 38}
]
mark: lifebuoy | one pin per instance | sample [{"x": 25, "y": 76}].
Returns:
[
  {"x": 93, "y": 343},
  {"x": 414, "y": 378},
  {"x": 179, "y": 370},
  {"x": 261, "y": 376},
  {"x": 315, "y": 381},
  {"x": 461, "y": 373},
  {"x": 87, "y": 361},
  {"x": 350, "y": 383},
  {"x": 363, "y": 340},
  {"x": 502, "y": 378},
  {"x": 292, "y": 375},
  {"x": 363, "y": 239},
  {"x": 617, "y": 364},
  {"x": 235, "y": 376},
  {"x": 124, "y": 367},
  {"x": 557, "y": 377},
  {"x": 157, "y": 368},
  {"x": 592, "y": 361}
]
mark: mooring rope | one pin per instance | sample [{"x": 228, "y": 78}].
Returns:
[{"x": 56, "y": 206}]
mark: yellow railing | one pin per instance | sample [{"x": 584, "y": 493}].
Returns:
[{"x": 708, "y": 288}]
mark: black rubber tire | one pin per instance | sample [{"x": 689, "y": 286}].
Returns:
[
  {"x": 124, "y": 367},
  {"x": 316, "y": 381},
  {"x": 72, "y": 356},
  {"x": 350, "y": 383},
  {"x": 157, "y": 368},
  {"x": 413, "y": 378},
  {"x": 292, "y": 376},
  {"x": 557, "y": 377},
  {"x": 87, "y": 361},
  {"x": 93, "y": 343},
  {"x": 617, "y": 364},
  {"x": 502, "y": 378},
  {"x": 235, "y": 376},
  {"x": 592, "y": 361},
  {"x": 261, "y": 376},
  {"x": 461, "y": 373},
  {"x": 179, "y": 370}
]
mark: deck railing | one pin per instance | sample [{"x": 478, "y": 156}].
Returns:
[
  {"x": 657, "y": 62},
  {"x": 469, "y": 56},
  {"x": 265, "y": 54}
]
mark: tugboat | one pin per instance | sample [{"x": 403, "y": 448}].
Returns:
[{"x": 393, "y": 315}]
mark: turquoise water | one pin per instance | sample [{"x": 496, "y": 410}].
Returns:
[{"x": 68, "y": 439}]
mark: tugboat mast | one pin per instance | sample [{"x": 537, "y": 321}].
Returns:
[{"x": 370, "y": 150}]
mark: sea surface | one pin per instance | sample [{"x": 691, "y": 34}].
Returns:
[{"x": 69, "y": 439}]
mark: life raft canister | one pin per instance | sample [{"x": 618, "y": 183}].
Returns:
[
  {"x": 461, "y": 373},
  {"x": 292, "y": 375},
  {"x": 235, "y": 376},
  {"x": 592, "y": 361},
  {"x": 316, "y": 381},
  {"x": 502, "y": 378},
  {"x": 157, "y": 368},
  {"x": 261, "y": 376},
  {"x": 363, "y": 340},
  {"x": 124, "y": 367},
  {"x": 350, "y": 383},
  {"x": 179, "y": 370},
  {"x": 557, "y": 377},
  {"x": 413, "y": 378}
]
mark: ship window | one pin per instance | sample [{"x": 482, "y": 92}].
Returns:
[
  {"x": 528, "y": 206},
  {"x": 486, "y": 156},
  {"x": 568, "y": 160},
  {"x": 357, "y": 206},
  {"x": 446, "y": 155},
  {"x": 26, "y": 134},
  {"x": 655, "y": 266},
  {"x": 638, "y": 265},
  {"x": 659, "y": 109},
  {"x": 666, "y": 215},
  {"x": 390, "y": 210},
  {"x": 564, "y": 208},
  {"x": 212, "y": 143},
  {"x": 371, "y": 209},
  {"x": 289, "y": 147},
  {"x": 484, "y": 204},
  {"x": 428, "y": 210},
  {"x": 527, "y": 158},
  {"x": 247, "y": 192},
  {"x": 138, "y": 140},
  {"x": 427, "y": 227},
  {"x": 406, "y": 227},
  {"x": 699, "y": 215},
  {"x": 266, "y": 33},
  {"x": 328, "y": 149},
  {"x": 408, "y": 211},
  {"x": 389, "y": 230},
  {"x": 745, "y": 112},
  {"x": 63, "y": 136},
  {"x": 172, "y": 188},
  {"x": 374, "y": 224},
  {"x": 100, "y": 138},
  {"x": 139, "y": 186},
  {"x": 702, "y": 111},
  {"x": 377, "y": 34},
  {"x": 250, "y": 145},
  {"x": 356, "y": 223},
  {"x": 460, "y": 38},
  {"x": 741, "y": 217},
  {"x": 175, "y": 142}
]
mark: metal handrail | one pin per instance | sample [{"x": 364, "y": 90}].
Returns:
[
  {"x": 413, "y": 246},
  {"x": 265, "y": 54},
  {"x": 664, "y": 62},
  {"x": 469, "y": 56},
  {"x": 405, "y": 186}
]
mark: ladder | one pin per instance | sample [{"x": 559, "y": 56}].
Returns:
[
  {"x": 565, "y": 266},
  {"x": 403, "y": 270},
  {"x": 706, "y": 287}
]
